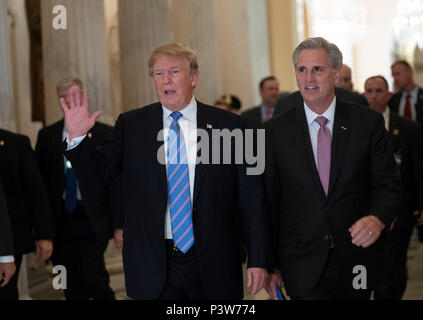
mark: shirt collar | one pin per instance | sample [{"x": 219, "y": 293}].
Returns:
[
  {"x": 189, "y": 112},
  {"x": 413, "y": 94},
  {"x": 328, "y": 114}
]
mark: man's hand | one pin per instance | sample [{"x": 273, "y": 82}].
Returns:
[
  {"x": 366, "y": 231},
  {"x": 77, "y": 117},
  {"x": 7, "y": 270},
  {"x": 256, "y": 277},
  {"x": 419, "y": 216},
  {"x": 44, "y": 249},
  {"x": 272, "y": 280},
  {"x": 118, "y": 238}
]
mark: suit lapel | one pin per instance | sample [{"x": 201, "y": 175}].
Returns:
[
  {"x": 156, "y": 123},
  {"x": 305, "y": 149},
  {"x": 340, "y": 134},
  {"x": 204, "y": 120},
  {"x": 57, "y": 136}
]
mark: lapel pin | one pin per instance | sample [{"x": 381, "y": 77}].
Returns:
[
  {"x": 209, "y": 126},
  {"x": 343, "y": 128},
  {"x": 90, "y": 135},
  {"x": 1, "y": 143},
  {"x": 396, "y": 132}
]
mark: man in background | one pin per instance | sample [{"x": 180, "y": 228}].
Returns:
[
  {"x": 407, "y": 145},
  {"x": 269, "y": 93},
  {"x": 85, "y": 215},
  {"x": 7, "y": 265},
  {"x": 27, "y": 204}
]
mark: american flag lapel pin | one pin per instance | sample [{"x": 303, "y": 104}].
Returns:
[{"x": 209, "y": 126}]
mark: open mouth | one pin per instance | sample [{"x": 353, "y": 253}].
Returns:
[
  {"x": 311, "y": 88},
  {"x": 170, "y": 92}
]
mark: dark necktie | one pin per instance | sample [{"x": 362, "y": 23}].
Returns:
[
  {"x": 179, "y": 187},
  {"x": 407, "y": 109},
  {"x": 71, "y": 185}
]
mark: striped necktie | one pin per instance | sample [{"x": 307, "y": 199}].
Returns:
[{"x": 179, "y": 188}]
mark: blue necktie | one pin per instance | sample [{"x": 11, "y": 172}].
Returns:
[
  {"x": 71, "y": 185},
  {"x": 179, "y": 189}
]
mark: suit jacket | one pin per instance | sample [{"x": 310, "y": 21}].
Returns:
[
  {"x": 103, "y": 204},
  {"x": 6, "y": 236},
  {"x": 218, "y": 190},
  {"x": 25, "y": 193},
  {"x": 288, "y": 102},
  {"x": 408, "y": 152},
  {"x": 395, "y": 102},
  {"x": 362, "y": 182},
  {"x": 251, "y": 119}
]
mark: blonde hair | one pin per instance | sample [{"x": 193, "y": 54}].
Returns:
[
  {"x": 67, "y": 83},
  {"x": 180, "y": 50}
]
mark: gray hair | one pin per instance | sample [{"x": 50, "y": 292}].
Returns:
[{"x": 334, "y": 54}]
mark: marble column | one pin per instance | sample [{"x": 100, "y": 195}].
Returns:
[
  {"x": 241, "y": 28},
  {"x": 80, "y": 50},
  {"x": 192, "y": 22},
  {"x": 7, "y": 115},
  {"x": 283, "y": 40},
  {"x": 143, "y": 26}
]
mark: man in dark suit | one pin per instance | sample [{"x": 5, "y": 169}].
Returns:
[
  {"x": 331, "y": 185},
  {"x": 27, "y": 203},
  {"x": 408, "y": 152},
  {"x": 269, "y": 93},
  {"x": 7, "y": 265},
  {"x": 85, "y": 215},
  {"x": 289, "y": 102},
  {"x": 408, "y": 101},
  {"x": 180, "y": 217}
]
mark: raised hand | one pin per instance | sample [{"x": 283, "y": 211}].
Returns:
[{"x": 77, "y": 117}]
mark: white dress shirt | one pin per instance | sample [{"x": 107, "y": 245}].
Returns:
[
  {"x": 413, "y": 101},
  {"x": 188, "y": 125},
  {"x": 386, "y": 118},
  {"x": 78, "y": 192},
  {"x": 6, "y": 259},
  {"x": 313, "y": 126}
]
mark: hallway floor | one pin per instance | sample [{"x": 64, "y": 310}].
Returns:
[{"x": 40, "y": 278}]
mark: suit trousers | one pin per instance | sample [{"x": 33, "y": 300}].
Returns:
[
  {"x": 83, "y": 256},
  {"x": 10, "y": 291},
  {"x": 396, "y": 248},
  {"x": 330, "y": 286},
  {"x": 183, "y": 276}
]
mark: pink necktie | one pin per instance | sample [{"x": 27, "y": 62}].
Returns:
[{"x": 323, "y": 152}]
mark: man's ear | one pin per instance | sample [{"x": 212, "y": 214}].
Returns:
[
  {"x": 337, "y": 74},
  {"x": 194, "y": 79}
]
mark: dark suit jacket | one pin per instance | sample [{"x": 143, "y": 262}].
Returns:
[
  {"x": 218, "y": 190},
  {"x": 395, "y": 102},
  {"x": 103, "y": 204},
  {"x": 407, "y": 144},
  {"x": 25, "y": 193},
  {"x": 251, "y": 119},
  {"x": 288, "y": 102},
  {"x": 362, "y": 182},
  {"x": 6, "y": 236}
]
